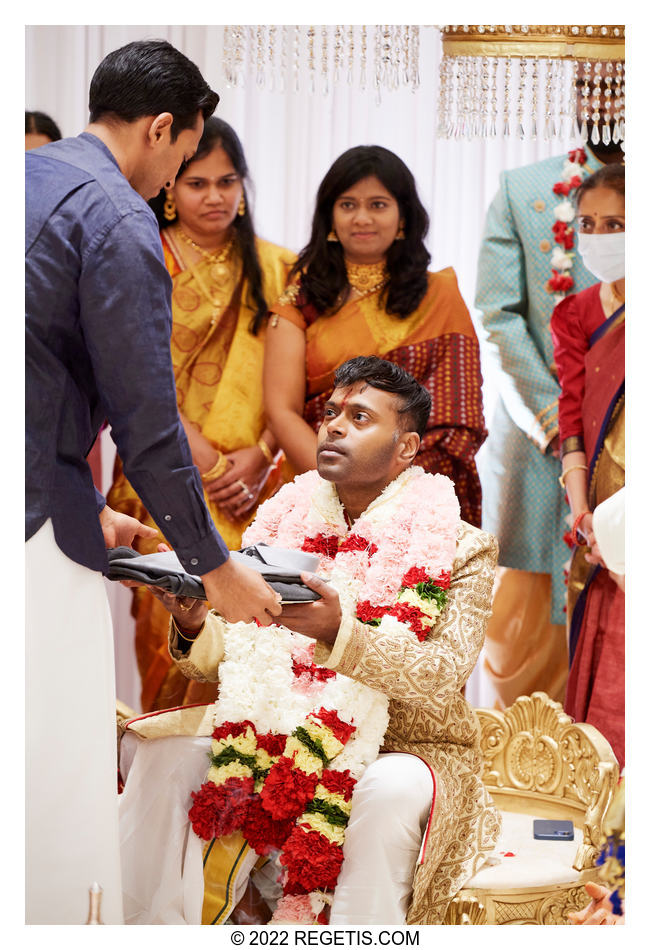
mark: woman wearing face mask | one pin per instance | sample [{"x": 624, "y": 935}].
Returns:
[
  {"x": 588, "y": 331},
  {"x": 223, "y": 279},
  {"x": 361, "y": 287}
]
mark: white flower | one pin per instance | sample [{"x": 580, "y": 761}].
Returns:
[
  {"x": 564, "y": 211},
  {"x": 560, "y": 260},
  {"x": 570, "y": 169}
]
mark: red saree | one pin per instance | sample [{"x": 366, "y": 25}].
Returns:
[{"x": 596, "y": 686}]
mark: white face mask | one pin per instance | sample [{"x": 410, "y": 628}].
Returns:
[{"x": 603, "y": 255}]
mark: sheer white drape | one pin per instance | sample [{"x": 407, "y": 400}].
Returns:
[{"x": 290, "y": 140}]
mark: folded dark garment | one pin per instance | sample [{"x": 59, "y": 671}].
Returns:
[{"x": 280, "y": 568}]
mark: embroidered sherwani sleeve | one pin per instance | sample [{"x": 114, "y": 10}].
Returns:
[
  {"x": 201, "y": 661},
  {"x": 528, "y": 387},
  {"x": 398, "y": 664}
]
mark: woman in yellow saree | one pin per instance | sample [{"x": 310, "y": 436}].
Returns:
[
  {"x": 361, "y": 288},
  {"x": 223, "y": 278}
]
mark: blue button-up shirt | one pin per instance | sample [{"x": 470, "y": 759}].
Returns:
[{"x": 98, "y": 325}]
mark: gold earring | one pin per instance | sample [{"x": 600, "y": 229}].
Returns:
[
  {"x": 169, "y": 208},
  {"x": 241, "y": 210},
  {"x": 400, "y": 234},
  {"x": 332, "y": 236}
]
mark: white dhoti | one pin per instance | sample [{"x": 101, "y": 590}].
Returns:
[
  {"x": 71, "y": 773},
  {"x": 390, "y": 809}
]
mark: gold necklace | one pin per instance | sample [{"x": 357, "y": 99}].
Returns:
[
  {"x": 366, "y": 278},
  {"x": 219, "y": 270}
]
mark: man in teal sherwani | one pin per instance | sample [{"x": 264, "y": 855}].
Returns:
[{"x": 524, "y": 505}]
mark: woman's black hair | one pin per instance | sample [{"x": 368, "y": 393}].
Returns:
[
  {"x": 218, "y": 134},
  {"x": 41, "y": 124},
  {"x": 321, "y": 263},
  {"x": 610, "y": 176}
]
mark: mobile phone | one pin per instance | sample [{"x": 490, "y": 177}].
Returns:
[{"x": 548, "y": 829}]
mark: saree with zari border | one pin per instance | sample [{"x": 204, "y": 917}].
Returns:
[
  {"x": 596, "y": 605},
  {"x": 436, "y": 343},
  {"x": 218, "y": 371}
]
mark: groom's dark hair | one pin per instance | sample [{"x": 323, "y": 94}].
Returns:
[{"x": 381, "y": 374}]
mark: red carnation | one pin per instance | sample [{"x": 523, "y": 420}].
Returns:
[
  {"x": 314, "y": 672},
  {"x": 559, "y": 227},
  {"x": 443, "y": 579},
  {"x": 412, "y": 616},
  {"x": 220, "y": 809},
  {"x": 312, "y": 862},
  {"x": 575, "y": 182},
  {"x": 355, "y": 542},
  {"x": 263, "y": 833},
  {"x": 287, "y": 789},
  {"x": 566, "y": 537},
  {"x": 560, "y": 282},
  {"x": 340, "y": 783},
  {"x": 342, "y": 730},
  {"x": 415, "y": 576},
  {"x": 230, "y": 730},
  {"x": 561, "y": 188},
  {"x": 367, "y": 611},
  {"x": 566, "y": 240},
  {"x": 578, "y": 155},
  {"x": 272, "y": 742},
  {"x": 325, "y": 544}
]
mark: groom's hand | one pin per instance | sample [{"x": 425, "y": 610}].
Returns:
[{"x": 319, "y": 619}]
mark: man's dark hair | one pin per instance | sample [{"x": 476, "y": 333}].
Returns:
[
  {"x": 381, "y": 374},
  {"x": 146, "y": 78},
  {"x": 41, "y": 124}
]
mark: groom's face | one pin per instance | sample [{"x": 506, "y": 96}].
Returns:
[{"x": 360, "y": 438}]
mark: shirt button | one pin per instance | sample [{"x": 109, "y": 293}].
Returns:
[
  {"x": 545, "y": 246},
  {"x": 539, "y": 205},
  {"x": 168, "y": 517},
  {"x": 194, "y": 560}
]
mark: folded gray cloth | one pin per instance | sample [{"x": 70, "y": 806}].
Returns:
[{"x": 280, "y": 568}]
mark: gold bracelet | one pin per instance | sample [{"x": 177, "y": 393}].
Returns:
[
  {"x": 217, "y": 469},
  {"x": 266, "y": 452},
  {"x": 571, "y": 468}
]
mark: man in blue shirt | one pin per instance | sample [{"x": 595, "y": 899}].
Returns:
[{"x": 98, "y": 323}]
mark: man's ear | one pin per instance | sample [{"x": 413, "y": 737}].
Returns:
[
  {"x": 160, "y": 128},
  {"x": 408, "y": 447}
]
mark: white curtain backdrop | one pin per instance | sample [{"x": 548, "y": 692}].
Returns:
[{"x": 290, "y": 139}]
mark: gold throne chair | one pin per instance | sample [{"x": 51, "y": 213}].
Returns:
[{"x": 539, "y": 764}]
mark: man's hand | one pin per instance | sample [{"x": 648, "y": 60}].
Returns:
[
  {"x": 599, "y": 911},
  {"x": 318, "y": 619},
  {"x": 188, "y": 613},
  {"x": 119, "y": 529},
  {"x": 239, "y": 593}
]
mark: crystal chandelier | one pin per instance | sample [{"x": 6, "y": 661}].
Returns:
[
  {"x": 523, "y": 79},
  {"x": 287, "y": 58}
]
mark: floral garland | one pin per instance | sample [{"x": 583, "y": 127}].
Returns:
[
  {"x": 573, "y": 173},
  {"x": 419, "y": 602}
]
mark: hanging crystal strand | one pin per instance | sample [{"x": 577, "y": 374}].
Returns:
[
  {"x": 385, "y": 58},
  {"x": 378, "y": 62},
  {"x": 549, "y": 131},
  {"x": 495, "y": 100},
  {"x": 338, "y": 49},
  {"x": 240, "y": 51},
  {"x": 272, "y": 37},
  {"x": 464, "y": 129},
  {"x": 595, "y": 115},
  {"x": 443, "y": 100},
  {"x": 251, "y": 50},
  {"x": 260, "y": 56},
  {"x": 452, "y": 84},
  {"x": 533, "y": 128},
  {"x": 415, "y": 58},
  {"x": 506, "y": 96},
  {"x": 560, "y": 69},
  {"x": 311, "y": 61},
  {"x": 397, "y": 49},
  {"x": 475, "y": 93},
  {"x": 296, "y": 59},
  {"x": 485, "y": 90},
  {"x": 405, "y": 58},
  {"x": 323, "y": 58},
  {"x": 227, "y": 54},
  {"x": 350, "y": 55},
  {"x": 622, "y": 105},
  {"x": 584, "y": 114},
  {"x": 607, "y": 95},
  {"x": 364, "y": 53},
  {"x": 520, "y": 100},
  {"x": 284, "y": 56}
]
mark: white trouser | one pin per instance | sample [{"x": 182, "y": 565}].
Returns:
[
  {"x": 71, "y": 774},
  {"x": 390, "y": 809}
]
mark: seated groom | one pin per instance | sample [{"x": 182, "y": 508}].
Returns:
[{"x": 341, "y": 749}]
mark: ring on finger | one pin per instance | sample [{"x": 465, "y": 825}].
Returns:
[
  {"x": 244, "y": 486},
  {"x": 184, "y": 606}
]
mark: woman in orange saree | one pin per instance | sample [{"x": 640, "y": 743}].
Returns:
[
  {"x": 222, "y": 277},
  {"x": 361, "y": 287}
]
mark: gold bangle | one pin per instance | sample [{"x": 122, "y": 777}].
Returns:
[
  {"x": 217, "y": 469},
  {"x": 571, "y": 468},
  {"x": 265, "y": 450}
]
